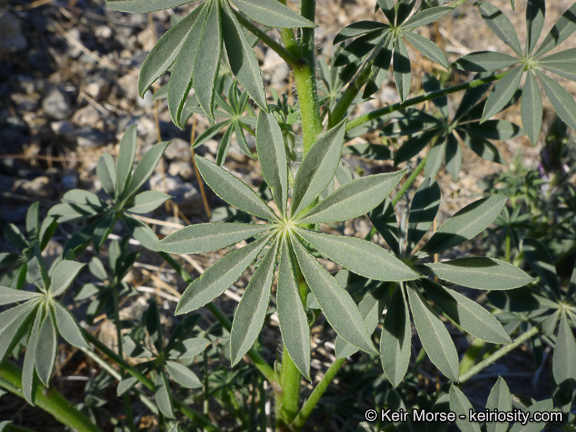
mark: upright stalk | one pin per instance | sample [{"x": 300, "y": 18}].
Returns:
[{"x": 50, "y": 400}]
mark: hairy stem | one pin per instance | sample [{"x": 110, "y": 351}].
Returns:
[
  {"x": 254, "y": 355},
  {"x": 339, "y": 111},
  {"x": 320, "y": 389},
  {"x": 50, "y": 400},
  {"x": 498, "y": 354},
  {"x": 287, "y": 402},
  {"x": 360, "y": 120}
]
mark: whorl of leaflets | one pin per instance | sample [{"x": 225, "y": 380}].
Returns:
[
  {"x": 281, "y": 240},
  {"x": 193, "y": 48}
]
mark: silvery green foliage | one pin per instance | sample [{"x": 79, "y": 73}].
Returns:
[
  {"x": 121, "y": 184},
  {"x": 530, "y": 59},
  {"x": 426, "y": 298},
  {"x": 446, "y": 131},
  {"x": 284, "y": 239},
  {"x": 193, "y": 48},
  {"x": 379, "y": 44},
  {"x": 40, "y": 316}
]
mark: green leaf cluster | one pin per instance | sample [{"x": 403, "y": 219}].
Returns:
[
  {"x": 39, "y": 318},
  {"x": 172, "y": 358},
  {"x": 121, "y": 183},
  {"x": 379, "y": 44},
  {"x": 288, "y": 234},
  {"x": 531, "y": 60}
]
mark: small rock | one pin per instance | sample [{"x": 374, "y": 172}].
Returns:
[
  {"x": 146, "y": 101},
  {"x": 211, "y": 146},
  {"x": 276, "y": 67},
  {"x": 90, "y": 137},
  {"x": 12, "y": 38},
  {"x": 183, "y": 169},
  {"x": 56, "y": 104},
  {"x": 86, "y": 116},
  {"x": 24, "y": 102},
  {"x": 145, "y": 128},
  {"x": 98, "y": 88},
  {"x": 128, "y": 84},
  {"x": 178, "y": 150},
  {"x": 184, "y": 194},
  {"x": 39, "y": 187},
  {"x": 103, "y": 32},
  {"x": 64, "y": 129},
  {"x": 73, "y": 50}
]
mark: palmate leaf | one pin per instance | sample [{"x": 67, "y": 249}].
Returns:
[
  {"x": 165, "y": 52},
  {"x": 9, "y": 295},
  {"x": 144, "y": 169},
  {"x": 183, "y": 375},
  {"x": 208, "y": 237},
  {"x": 542, "y": 263},
  {"x": 232, "y": 190},
  {"x": 531, "y": 108},
  {"x": 500, "y": 25},
  {"x": 163, "y": 395},
  {"x": 126, "y": 155},
  {"x": 480, "y": 273},
  {"x": 13, "y": 323},
  {"x": 564, "y": 27},
  {"x": 384, "y": 220},
  {"x": 546, "y": 405},
  {"x": 461, "y": 406},
  {"x": 251, "y": 311},
  {"x": 358, "y": 28},
  {"x": 272, "y": 13},
  {"x": 563, "y": 365},
  {"x": 219, "y": 277},
  {"x": 360, "y": 256},
  {"x": 207, "y": 62},
  {"x": 106, "y": 172},
  {"x": 402, "y": 69},
  {"x": 183, "y": 69},
  {"x": 466, "y": 313},
  {"x": 561, "y": 100},
  {"x": 353, "y": 199},
  {"x": 395, "y": 342},
  {"x": 562, "y": 63},
  {"x": 29, "y": 377},
  {"x": 339, "y": 308},
  {"x": 272, "y": 153},
  {"x": 482, "y": 61},
  {"x": 370, "y": 308},
  {"x": 45, "y": 351},
  {"x": 503, "y": 91},
  {"x": 535, "y": 12},
  {"x": 500, "y": 399},
  {"x": 63, "y": 275},
  {"x": 147, "y": 201},
  {"x": 434, "y": 336},
  {"x": 318, "y": 168},
  {"x": 427, "y": 47},
  {"x": 426, "y": 16},
  {"x": 291, "y": 314},
  {"x": 68, "y": 327},
  {"x": 465, "y": 224},
  {"x": 423, "y": 210},
  {"x": 144, "y": 6},
  {"x": 242, "y": 59}
]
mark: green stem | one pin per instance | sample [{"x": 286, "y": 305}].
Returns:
[
  {"x": 339, "y": 111},
  {"x": 254, "y": 355},
  {"x": 508, "y": 245},
  {"x": 125, "y": 396},
  {"x": 360, "y": 120},
  {"x": 287, "y": 402},
  {"x": 285, "y": 54},
  {"x": 305, "y": 80},
  {"x": 49, "y": 400},
  {"x": 320, "y": 389},
  {"x": 498, "y": 354}
]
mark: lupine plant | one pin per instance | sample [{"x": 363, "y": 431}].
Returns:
[{"x": 388, "y": 301}]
